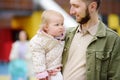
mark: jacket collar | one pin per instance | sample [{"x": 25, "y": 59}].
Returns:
[
  {"x": 91, "y": 30},
  {"x": 101, "y": 32},
  {"x": 74, "y": 29}
]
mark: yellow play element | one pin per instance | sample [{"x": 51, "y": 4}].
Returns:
[
  {"x": 29, "y": 23},
  {"x": 7, "y": 77},
  {"x": 114, "y": 22}
]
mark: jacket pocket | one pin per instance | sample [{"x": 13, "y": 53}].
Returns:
[
  {"x": 102, "y": 62},
  {"x": 102, "y": 55}
]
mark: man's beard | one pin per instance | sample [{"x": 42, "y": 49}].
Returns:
[{"x": 86, "y": 18}]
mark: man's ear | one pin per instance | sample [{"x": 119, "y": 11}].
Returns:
[{"x": 92, "y": 6}]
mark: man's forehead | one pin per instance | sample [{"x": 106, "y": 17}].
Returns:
[{"x": 74, "y": 1}]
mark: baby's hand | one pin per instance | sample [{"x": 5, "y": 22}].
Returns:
[
  {"x": 54, "y": 72},
  {"x": 44, "y": 78}
]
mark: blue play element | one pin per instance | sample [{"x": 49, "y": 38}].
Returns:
[
  {"x": 3, "y": 68},
  {"x": 18, "y": 69}
]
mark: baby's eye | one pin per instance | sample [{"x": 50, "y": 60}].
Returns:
[
  {"x": 56, "y": 24},
  {"x": 61, "y": 24}
]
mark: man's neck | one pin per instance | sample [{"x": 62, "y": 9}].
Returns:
[{"x": 94, "y": 20}]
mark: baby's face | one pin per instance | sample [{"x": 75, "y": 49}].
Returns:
[{"x": 55, "y": 26}]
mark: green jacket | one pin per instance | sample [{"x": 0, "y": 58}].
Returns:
[{"x": 102, "y": 56}]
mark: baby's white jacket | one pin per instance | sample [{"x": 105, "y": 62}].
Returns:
[{"x": 46, "y": 52}]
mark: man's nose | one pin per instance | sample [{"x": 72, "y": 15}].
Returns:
[{"x": 72, "y": 12}]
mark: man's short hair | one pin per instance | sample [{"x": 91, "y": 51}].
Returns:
[{"x": 97, "y": 1}]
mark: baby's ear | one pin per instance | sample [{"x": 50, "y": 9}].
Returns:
[{"x": 44, "y": 27}]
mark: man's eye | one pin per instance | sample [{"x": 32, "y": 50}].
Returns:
[{"x": 76, "y": 6}]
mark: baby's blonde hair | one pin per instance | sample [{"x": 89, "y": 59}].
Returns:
[{"x": 46, "y": 16}]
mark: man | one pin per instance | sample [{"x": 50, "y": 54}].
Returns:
[{"x": 92, "y": 50}]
